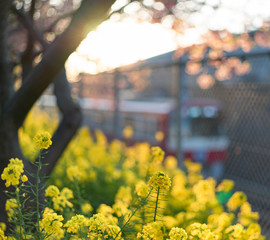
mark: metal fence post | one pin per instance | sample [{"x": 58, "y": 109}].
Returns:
[
  {"x": 177, "y": 80},
  {"x": 116, "y": 102}
]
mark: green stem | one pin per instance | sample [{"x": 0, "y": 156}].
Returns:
[
  {"x": 156, "y": 207},
  {"x": 132, "y": 214},
  {"x": 21, "y": 221},
  {"x": 37, "y": 194},
  {"x": 78, "y": 192}
]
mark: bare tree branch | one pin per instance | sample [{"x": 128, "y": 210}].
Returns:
[
  {"x": 88, "y": 16},
  {"x": 33, "y": 35},
  {"x": 28, "y": 24},
  {"x": 52, "y": 26},
  {"x": 32, "y": 9}
]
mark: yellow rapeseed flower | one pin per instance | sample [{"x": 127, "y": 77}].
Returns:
[
  {"x": 62, "y": 200},
  {"x": 171, "y": 163},
  {"x": 105, "y": 209},
  {"x": 246, "y": 216},
  {"x": 24, "y": 178},
  {"x": 11, "y": 205},
  {"x": 236, "y": 200},
  {"x": 73, "y": 172},
  {"x": 2, "y": 235},
  {"x": 124, "y": 194},
  {"x": 3, "y": 226},
  {"x": 253, "y": 231},
  {"x": 220, "y": 221},
  {"x": 128, "y": 132},
  {"x": 159, "y": 136},
  {"x": 200, "y": 231},
  {"x": 86, "y": 208},
  {"x": 141, "y": 189},
  {"x": 121, "y": 209},
  {"x": 160, "y": 180},
  {"x": 114, "y": 231},
  {"x": 157, "y": 154},
  {"x": 193, "y": 167},
  {"x": 226, "y": 185},
  {"x": 235, "y": 231},
  {"x": 177, "y": 234},
  {"x": 52, "y": 223},
  {"x": 97, "y": 223},
  {"x": 76, "y": 223},
  {"x": 52, "y": 191},
  {"x": 12, "y": 173},
  {"x": 204, "y": 190},
  {"x": 151, "y": 231},
  {"x": 43, "y": 140}
]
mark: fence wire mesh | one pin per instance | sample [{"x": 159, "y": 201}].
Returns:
[{"x": 161, "y": 80}]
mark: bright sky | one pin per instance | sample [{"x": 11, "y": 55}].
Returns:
[
  {"x": 116, "y": 43},
  {"x": 120, "y": 43}
]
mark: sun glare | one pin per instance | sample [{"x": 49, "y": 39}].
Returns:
[{"x": 115, "y": 44}]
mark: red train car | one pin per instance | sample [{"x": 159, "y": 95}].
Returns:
[{"x": 200, "y": 125}]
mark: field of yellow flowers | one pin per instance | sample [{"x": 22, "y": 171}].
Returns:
[{"x": 102, "y": 190}]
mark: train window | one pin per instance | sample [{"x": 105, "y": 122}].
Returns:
[
  {"x": 108, "y": 123},
  {"x": 151, "y": 128},
  {"x": 144, "y": 127},
  {"x": 204, "y": 122},
  {"x": 99, "y": 117},
  {"x": 204, "y": 126},
  {"x": 139, "y": 128}
]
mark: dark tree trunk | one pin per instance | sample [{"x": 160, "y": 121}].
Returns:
[{"x": 15, "y": 106}]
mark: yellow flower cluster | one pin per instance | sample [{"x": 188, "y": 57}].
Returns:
[
  {"x": 112, "y": 183},
  {"x": 141, "y": 189},
  {"x": 124, "y": 195},
  {"x": 2, "y": 235},
  {"x": 128, "y": 132},
  {"x": 97, "y": 223},
  {"x": 73, "y": 172},
  {"x": 43, "y": 140},
  {"x": 99, "y": 228},
  {"x": 60, "y": 199},
  {"x": 12, "y": 173},
  {"x": 160, "y": 180},
  {"x": 86, "y": 208},
  {"x": 177, "y": 234},
  {"x": 204, "y": 190},
  {"x": 77, "y": 223},
  {"x": 114, "y": 232},
  {"x": 171, "y": 163},
  {"x": 52, "y": 224},
  {"x": 200, "y": 231},
  {"x": 151, "y": 231},
  {"x": 235, "y": 232},
  {"x": 237, "y": 199},
  {"x": 220, "y": 221},
  {"x": 226, "y": 185},
  {"x": 52, "y": 191},
  {"x": 246, "y": 216},
  {"x": 11, "y": 207},
  {"x": 159, "y": 136},
  {"x": 157, "y": 154}
]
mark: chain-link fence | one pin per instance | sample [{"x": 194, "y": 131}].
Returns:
[{"x": 223, "y": 124}]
